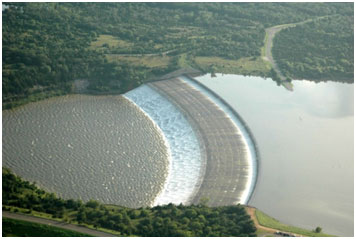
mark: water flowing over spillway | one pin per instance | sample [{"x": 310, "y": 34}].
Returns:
[
  {"x": 212, "y": 153},
  {"x": 170, "y": 141},
  {"x": 185, "y": 159}
]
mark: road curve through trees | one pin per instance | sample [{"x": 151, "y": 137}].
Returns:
[
  {"x": 227, "y": 166},
  {"x": 270, "y": 33},
  {"x": 267, "y": 52}
]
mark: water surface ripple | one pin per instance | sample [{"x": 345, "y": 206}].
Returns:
[{"x": 87, "y": 147}]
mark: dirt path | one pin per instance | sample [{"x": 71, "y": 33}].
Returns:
[
  {"x": 143, "y": 54},
  {"x": 62, "y": 225},
  {"x": 267, "y": 231},
  {"x": 251, "y": 211}
]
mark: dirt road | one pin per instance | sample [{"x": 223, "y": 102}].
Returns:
[
  {"x": 266, "y": 231},
  {"x": 251, "y": 211}
]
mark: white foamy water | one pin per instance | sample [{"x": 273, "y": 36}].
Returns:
[
  {"x": 240, "y": 130},
  {"x": 185, "y": 157}
]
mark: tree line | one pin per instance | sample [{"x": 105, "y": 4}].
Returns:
[
  {"x": 46, "y": 46},
  {"x": 168, "y": 220},
  {"x": 320, "y": 50}
]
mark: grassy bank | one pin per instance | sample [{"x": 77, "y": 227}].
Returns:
[
  {"x": 19, "y": 228},
  {"x": 245, "y": 66},
  {"x": 32, "y": 98},
  {"x": 270, "y": 222}
]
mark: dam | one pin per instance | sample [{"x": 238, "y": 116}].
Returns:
[
  {"x": 167, "y": 141},
  {"x": 227, "y": 152}
]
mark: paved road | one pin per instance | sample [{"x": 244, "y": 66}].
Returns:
[
  {"x": 56, "y": 224},
  {"x": 270, "y": 34},
  {"x": 226, "y": 171}
]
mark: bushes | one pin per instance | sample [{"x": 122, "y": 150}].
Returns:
[{"x": 167, "y": 220}]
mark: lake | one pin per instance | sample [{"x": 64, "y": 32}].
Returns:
[
  {"x": 87, "y": 147},
  {"x": 306, "y": 145},
  {"x": 107, "y": 148}
]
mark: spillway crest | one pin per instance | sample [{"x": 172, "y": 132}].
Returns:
[{"x": 212, "y": 154}]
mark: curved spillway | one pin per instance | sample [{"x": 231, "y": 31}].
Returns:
[
  {"x": 250, "y": 144},
  {"x": 185, "y": 158},
  {"x": 212, "y": 154}
]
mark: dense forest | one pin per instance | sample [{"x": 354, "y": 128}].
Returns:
[
  {"x": 169, "y": 220},
  {"x": 46, "y": 46},
  {"x": 326, "y": 52}
]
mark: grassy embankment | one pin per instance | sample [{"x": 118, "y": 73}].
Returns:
[
  {"x": 33, "y": 98},
  {"x": 19, "y": 228},
  {"x": 106, "y": 44},
  {"x": 246, "y": 66},
  {"x": 67, "y": 217},
  {"x": 270, "y": 222}
]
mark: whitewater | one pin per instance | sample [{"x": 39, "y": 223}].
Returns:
[{"x": 186, "y": 164}]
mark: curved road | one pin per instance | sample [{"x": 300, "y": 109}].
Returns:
[
  {"x": 267, "y": 53},
  {"x": 270, "y": 33},
  {"x": 62, "y": 225}
]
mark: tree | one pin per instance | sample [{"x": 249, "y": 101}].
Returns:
[
  {"x": 318, "y": 229},
  {"x": 81, "y": 217},
  {"x": 92, "y": 204},
  {"x": 204, "y": 201}
]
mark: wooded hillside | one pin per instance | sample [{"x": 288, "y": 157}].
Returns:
[
  {"x": 319, "y": 50},
  {"x": 46, "y": 46}
]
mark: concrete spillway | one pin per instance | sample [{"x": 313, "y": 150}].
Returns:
[{"x": 220, "y": 153}]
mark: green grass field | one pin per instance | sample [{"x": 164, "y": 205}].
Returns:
[
  {"x": 268, "y": 221},
  {"x": 19, "y": 228},
  {"x": 248, "y": 66},
  {"x": 147, "y": 61},
  {"x": 111, "y": 41}
]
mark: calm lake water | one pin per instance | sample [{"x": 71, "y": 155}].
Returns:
[
  {"x": 88, "y": 147},
  {"x": 305, "y": 138}
]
